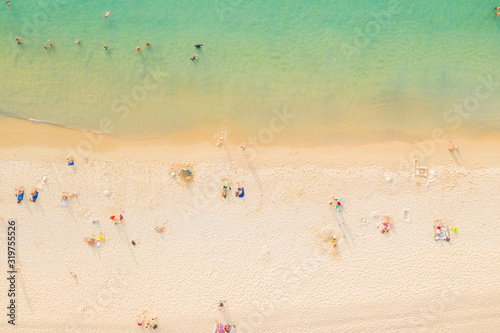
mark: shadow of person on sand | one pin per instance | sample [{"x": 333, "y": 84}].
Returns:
[
  {"x": 455, "y": 158},
  {"x": 344, "y": 229},
  {"x": 254, "y": 172},
  {"x": 122, "y": 232}
]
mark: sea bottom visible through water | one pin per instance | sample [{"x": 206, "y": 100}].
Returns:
[{"x": 284, "y": 72}]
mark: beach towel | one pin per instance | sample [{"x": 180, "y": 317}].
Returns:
[
  {"x": 220, "y": 327},
  {"x": 339, "y": 205}
]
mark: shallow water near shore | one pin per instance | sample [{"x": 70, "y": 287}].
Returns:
[{"x": 277, "y": 72}]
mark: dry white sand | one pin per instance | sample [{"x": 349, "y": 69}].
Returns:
[{"x": 268, "y": 254}]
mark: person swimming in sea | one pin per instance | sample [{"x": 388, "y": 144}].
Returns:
[
  {"x": 497, "y": 9},
  {"x": 19, "y": 41},
  {"x": 148, "y": 44},
  {"x": 8, "y": 4},
  {"x": 106, "y": 16},
  {"x": 194, "y": 57},
  {"x": 198, "y": 46},
  {"x": 105, "y": 47}
]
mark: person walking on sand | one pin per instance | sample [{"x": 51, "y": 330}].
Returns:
[
  {"x": 221, "y": 304},
  {"x": 34, "y": 195},
  {"x": 20, "y": 194}
]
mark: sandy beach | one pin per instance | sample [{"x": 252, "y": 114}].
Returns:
[{"x": 268, "y": 254}]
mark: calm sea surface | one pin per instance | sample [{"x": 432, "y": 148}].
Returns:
[{"x": 329, "y": 71}]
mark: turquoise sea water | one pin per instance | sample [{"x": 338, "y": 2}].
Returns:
[{"x": 346, "y": 70}]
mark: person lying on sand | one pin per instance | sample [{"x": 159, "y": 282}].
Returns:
[
  {"x": 225, "y": 189},
  {"x": 34, "y": 195},
  {"x": 20, "y": 194},
  {"x": 160, "y": 229},
  {"x": 70, "y": 160},
  {"x": 118, "y": 219},
  {"x": 64, "y": 198},
  {"x": 240, "y": 192}
]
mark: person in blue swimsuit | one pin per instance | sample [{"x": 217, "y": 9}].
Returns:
[
  {"x": 34, "y": 195},
  {"x": 20, "y": 194},
  {"x": 240, "y": 192},
  {"x": 8, "y": 4},
  {"x": 70, "y": 160}
]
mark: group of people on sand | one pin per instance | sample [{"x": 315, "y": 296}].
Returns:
[
  {"x": 240, "y": 192},
  {"x": 149, "y": 323},
  {"x": 20, "y": 194}
]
